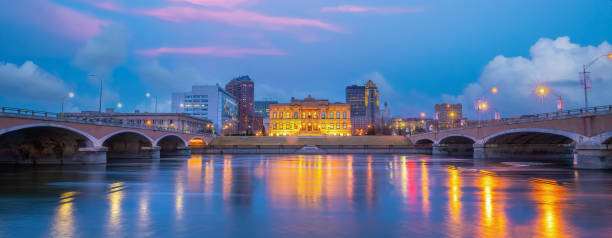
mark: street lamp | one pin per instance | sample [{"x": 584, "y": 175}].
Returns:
[
  {"x": 543, "y": 91},
  {"x": 149, "y": 95},
  {"x": 494, "y": 90},
  {"x": 585, "y": 76},
  {"x": 119, "y": 105},
  {"x": 481, "y": 106},
  {"x": 70, "y": 96}
]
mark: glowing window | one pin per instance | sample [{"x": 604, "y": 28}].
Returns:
[
  {"x": 322, "y": 115},
  {"x": 344, "y": 115},
  {"x": 337, "y": 125},
  {"x": 337, "y": 114}
]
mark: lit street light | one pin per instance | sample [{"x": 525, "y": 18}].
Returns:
[
  {"x": 585, "y": 76},
  {"x": 542, "y": 91},
  {"x": 70, "y": 96},
  {"x": 119, "y": 105},
  {"x": 494, "y": 90}
]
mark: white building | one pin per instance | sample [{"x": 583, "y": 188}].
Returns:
[{"x": 208, "y": 102}]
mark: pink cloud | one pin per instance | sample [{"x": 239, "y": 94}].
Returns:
[
  {"x": 110, "y": 6},
  {"x": 211, "y": 50},
  {"x": 215, "y": 3},
  {"x": 236, "y": 17},
  {"x": 61, "y": 20},
  {"x": 364, "y": 9}
]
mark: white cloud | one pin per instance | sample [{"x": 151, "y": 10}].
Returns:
[
  {"x": 552, "y": 63},
  {"x": 104, "y": 52},
  {"x": 167, "y": 81},
  {"x": 29, "y": 83}
]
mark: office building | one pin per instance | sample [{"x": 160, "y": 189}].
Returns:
[
  {"x": 209, "y": 102},
  {"x": 448, "y": 115},
  {"x": 262, "y": 108},
  {"x": 242, "y": 88}
]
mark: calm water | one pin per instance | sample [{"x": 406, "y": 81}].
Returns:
[{"x": 306, "y": 196}]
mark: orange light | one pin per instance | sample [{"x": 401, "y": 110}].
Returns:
[
  {"x": 494, "y": 90},
  {"x": 149, "y": 122},
  {"x": 610, "y": 56},
  {"x": 542, "y": 90},
  {"x": 451, "y": 114},
  {"x": 483, "y": 106},
  {"x": 422, "y": 114}
]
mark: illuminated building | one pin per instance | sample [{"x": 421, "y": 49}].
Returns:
[
  {"x": 242, "y": 88},
  {"x": 449, "y": 115},
  {"x": 364, "y": 106},
  {"x": 409, "y": 126},
  {"x": 262, "y": 108},
  {"x": 310, "y": 117},
  {"x": 209, "y": 102}
]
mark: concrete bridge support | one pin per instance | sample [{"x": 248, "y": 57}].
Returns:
[
  {"x": 524, "y": 151},
  {"x": 452, "y": 149},
  {"x": 593, "y": 156}
]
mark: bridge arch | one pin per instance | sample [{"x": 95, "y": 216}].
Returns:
[
  {"x": 457, "y": 139},
  {"x": 173, "y": 137},
  {"x": 425, "y": 141},
  {"x": 197, "y": 141},
  {"x": 128, "y": 144},
  {"x": 532, "y": 136},
  {"x": 44, "y": 143},
  {"x": 604, "y": 138}
]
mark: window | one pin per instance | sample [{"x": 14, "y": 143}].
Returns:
[
  {"x": 281, "y": 115},
  {"x": 344, "y": 126},
  {"x": 274, "y": 126},
  {"x": 281, "y": 126},
  {"x": 337, "y": 115},
  {"x": 322, "y": 115},
  {"x": 295, "y": 115},
  {"x": 274, "y": 116},
  {"x": 331, "y": 115},
  {"x": 344, "y": 116},
  {"x": 322, "y": 125},
  {"x": 337, "y": 125}
]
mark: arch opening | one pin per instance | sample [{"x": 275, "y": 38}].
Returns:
[
  {"x": 424, "y": 142},
  {"x": 455, "y": 145},
  {"x": 42, "y": 145},
  {"x": 462, "y": 140},
  {"x": 197, "y": 142},
  {"x": 173, "y": 145},
  {"x": 128, "y": 145},
  {"x": 531, "y": 145}
]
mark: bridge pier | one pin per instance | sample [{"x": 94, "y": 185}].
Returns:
[
  {"x": 178, "y": 152},
  {"x": 88, "y": 155},
  {"x": 593, "y": 156}
]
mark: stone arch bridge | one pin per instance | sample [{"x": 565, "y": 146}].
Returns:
[
  {"x": 43, "y": 139},
  {"x": 585, "y": 137}
]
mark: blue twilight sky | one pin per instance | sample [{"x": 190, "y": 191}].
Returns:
[{"x": 418, "y": 52}]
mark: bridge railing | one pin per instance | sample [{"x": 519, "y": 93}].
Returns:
[
  {"x": 27, "y": 113},
  {"x": 598, "y": 110}
]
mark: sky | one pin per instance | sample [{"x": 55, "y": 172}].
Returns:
[{"x": 419, "y": 53}]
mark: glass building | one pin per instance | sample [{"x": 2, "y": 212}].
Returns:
[{"x": 209, "y": 102}]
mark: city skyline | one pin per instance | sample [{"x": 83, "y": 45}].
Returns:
[{"x": 131, "y": 46}]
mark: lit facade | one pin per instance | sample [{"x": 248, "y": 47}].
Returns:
[
  {"x": 209, "y": 102},
  {"x": 310, "y": 117},
  {"x": 409, "y": 126},
  {"x": 448, "y": 115}
]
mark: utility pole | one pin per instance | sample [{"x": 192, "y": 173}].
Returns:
[{"x": 585, "y": 83}]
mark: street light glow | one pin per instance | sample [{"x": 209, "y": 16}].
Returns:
[
  {"x": 542, "y": 90},
  {"x": 610, "y": 56},
  {"x": 119, "y": 105},
  {"x": 494, "y": 90},
  {"x": 422, "y": 114},
  {"x": 452, "y": 114},
  {"x": 71, "y": 95},
  {"x": 148, "y": 94},
  {"x": 483, "y": 105}
]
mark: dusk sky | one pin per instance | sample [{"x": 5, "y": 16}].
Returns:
[{"x": 418, "y": 52}]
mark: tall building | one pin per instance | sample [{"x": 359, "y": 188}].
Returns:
[
  {"x": 310, "y": 117},
  {"x": 262, "y": 108},
  {"x": 208, "y": 102},
  {"x": 448, "y": 115},
  {"x": 371, "y": 102},
  {"x": 242, "y": 88}
]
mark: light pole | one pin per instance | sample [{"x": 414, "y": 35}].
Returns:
[
  {"x": 148, "y": 96},
  {"x": 70, "y": 95},
  {"x": 482, "y": 106},
  {"x": 543, "y": 91},
  {"x": 585, "y": 76},
  {"x": 100, "y": 99}
]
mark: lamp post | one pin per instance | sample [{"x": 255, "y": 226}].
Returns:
[
  {"x": 585, "y": 76},
  {"x": 482, "y": 106},
  {"x": 148, "y": 96},
  {"x": 70, "y": 96},
  {"x": 543, "y": 91}
]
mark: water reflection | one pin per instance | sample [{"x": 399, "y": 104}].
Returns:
[
  {"x": 115, "y": 196},
  {"x": 63, "y": 221},
  {"x": 492, "y": 213},
  {"x": 549, "y": 197},
  {"x": 318, "y": 195}
]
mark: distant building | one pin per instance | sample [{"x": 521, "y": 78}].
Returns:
[
  {"x": 262, "y": 108},
  {"x": 172, "y": 121},
  {"x": 448, "y": 115},
  {"x": 371, "y": 102},
  {"x": 410, "y": 126},
  {"x": 242, "y": 88},
  {"x": 310, "y": 117},
  {"x": 209, "y": 102}
]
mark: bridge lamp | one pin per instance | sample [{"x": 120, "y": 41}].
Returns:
[
  {"x": 119, "y": 105},
  {"x": 71, "y": 95},
  {"x": 483, "y": 105},
  {"x": 451, "y": 114},
  {"x": 610, "y": 56},
  {"x": 494, "y": 90},
  {"x": 422, "y": 114},
  {"x": 148, "y": 95}
]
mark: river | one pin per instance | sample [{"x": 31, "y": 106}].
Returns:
[{"x": 305, "y": 196}]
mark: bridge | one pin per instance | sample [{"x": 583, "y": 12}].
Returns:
[
  {"x": 36, "y": 137},
  {"x": 583, "y": 136}
]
